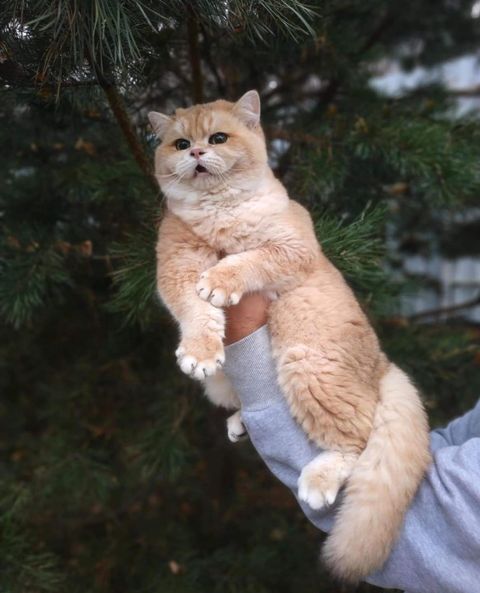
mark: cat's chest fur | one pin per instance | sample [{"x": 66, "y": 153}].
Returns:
[{"x": 232, "y": 225}]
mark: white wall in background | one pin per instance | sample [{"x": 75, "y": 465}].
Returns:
[{"x": 458, "y": 281}]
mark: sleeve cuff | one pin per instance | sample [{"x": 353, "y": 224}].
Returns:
[{"x": 250, "y": 367}]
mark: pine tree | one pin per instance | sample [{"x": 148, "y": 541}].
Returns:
[{"x": 116, "y": 474}]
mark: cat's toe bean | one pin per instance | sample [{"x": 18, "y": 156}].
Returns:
[
  {"x": 179, "y": 352},
  {"x": 200, "y": 369},
  {"x": 330, "y": 496},
  {"x": 210, "y": 289},
  {"x": 236, "y": 437},
  {"x": 205, "y": 368},
  {"x": 218, "y": 298},
  {"x": 203, "y": 288},
  {"x": 187, "y": 364},
  {"x": 200, "y": 356},
  {"x": 234, "y": 298}
]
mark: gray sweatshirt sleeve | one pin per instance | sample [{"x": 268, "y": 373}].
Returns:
[{"x": 439, "y": 546}]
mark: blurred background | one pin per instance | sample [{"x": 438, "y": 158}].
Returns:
[{"x": 116, "y": 474}]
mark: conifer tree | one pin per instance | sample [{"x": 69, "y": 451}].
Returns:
[{"x": 116, "y": 475}]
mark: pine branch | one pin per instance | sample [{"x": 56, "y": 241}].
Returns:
[
  {"x": 15, "y": 74},
  {"x": 294, "y": 136},
  {"x": 194, "y": 53},
  {"x": 106, "y": 80},
  {"x": 355, "y": 247},
  {"x": 440, "y": 311},
  {"x": 161, "y": 450},
  {"x": 25, "y": 566},
  {"x": 438, "y": 163},
  {"x": 207, "y": 53},
  {"x": 135, "y": 278},
  {"x": 328, "y": 94},
  {"x": 29, "y": 277},
  {"x": 465, "y": 92}
]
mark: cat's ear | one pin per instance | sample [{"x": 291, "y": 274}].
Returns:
[
  {"x": 159, "y": 123},
  {"x": 247, "y": 109}
]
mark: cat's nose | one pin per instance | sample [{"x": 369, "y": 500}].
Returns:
[{"x": 196, "y": 153}]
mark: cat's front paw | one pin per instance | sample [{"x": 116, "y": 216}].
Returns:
[
  {"x": 216, "y": 286},
  {"x": 200, "y": 357}
]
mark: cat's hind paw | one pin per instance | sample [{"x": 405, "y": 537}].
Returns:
[
  {"x": 320, "y": 481},
  {"x": 236, "y": 428}
]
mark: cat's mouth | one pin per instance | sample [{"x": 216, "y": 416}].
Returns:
[{"x": 200, "y": 170}]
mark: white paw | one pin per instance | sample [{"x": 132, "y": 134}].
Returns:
[
  {"x": 319, "y": 483},
  {"x": 199, "y": 369},
  {"x": 217, "y": 296},
  {"x": 235, "y": 428},
  {"x": 313, "y": 494}
]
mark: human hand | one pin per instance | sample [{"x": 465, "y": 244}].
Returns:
[{"x": 246, "y": 317}]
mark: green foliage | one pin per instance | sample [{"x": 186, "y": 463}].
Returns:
[
  {"x": 25, "y": 568},
  {"x": 425, "y": 153},
  {"x": 440, "y": 356},
  {"x": 429, "y": 156},
  {"x": 161, "y": 450},
  {"x": 115, "y": 473},
  {"x": 356, "y": 248},
  {"x": 30, "y": 276},
  {"x": 118, "y": 33},
  {"x": 135, "y": 281}
]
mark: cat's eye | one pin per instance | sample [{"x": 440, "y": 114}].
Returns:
[
  {"x": 218, "y": 138},
  {"x": 182, "y": 144}
]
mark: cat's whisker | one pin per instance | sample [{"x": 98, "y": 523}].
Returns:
[
  {"x": 239, "y": 169},
  {"x": 181, "y": 172},
  {"x": 175, "y": 181}
]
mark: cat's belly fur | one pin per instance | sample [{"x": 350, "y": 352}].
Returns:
[{"x": 328, "y": 358}]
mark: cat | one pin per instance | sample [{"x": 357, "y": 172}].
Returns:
[{"x": 230, "y": 228}]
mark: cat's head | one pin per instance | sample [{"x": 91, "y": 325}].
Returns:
[{"x": 208, "y": 147}]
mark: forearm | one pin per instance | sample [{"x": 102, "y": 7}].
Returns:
[
  {"x": 439, "y": 545},
  {"x": 279, "y": 440},
  {"x": 181, "y": 259},
  {"x": 255, "y": 270}
]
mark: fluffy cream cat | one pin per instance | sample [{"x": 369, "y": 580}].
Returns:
[{"x": 230, "y": 228}]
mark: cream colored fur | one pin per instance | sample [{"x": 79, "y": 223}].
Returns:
[{"x": 230, "y": 228}]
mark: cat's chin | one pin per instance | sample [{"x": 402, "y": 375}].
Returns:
[
  {"x": 196, "y": 187},
  {"x": 204, "y": 184},
  {"x": 204, "y": 180}
]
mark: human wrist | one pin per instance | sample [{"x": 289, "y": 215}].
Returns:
[
  {"x": 245, "y": 318},
  {"x": 251, "y": 369}
]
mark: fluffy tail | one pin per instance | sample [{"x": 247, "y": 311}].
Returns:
[{"x": 383, "y": 482}]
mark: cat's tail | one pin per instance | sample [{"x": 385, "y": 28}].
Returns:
[{"x": 383, "y": 482}]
